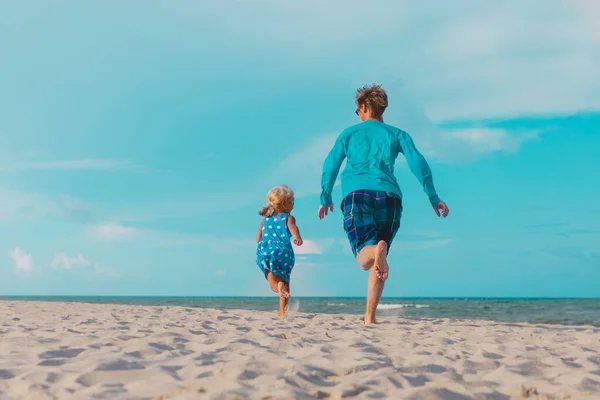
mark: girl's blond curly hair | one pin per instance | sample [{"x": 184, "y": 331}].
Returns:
[{"x": 275, "y": 199}]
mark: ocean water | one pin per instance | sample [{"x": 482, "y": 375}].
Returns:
[{"x": 543, "y": 311}]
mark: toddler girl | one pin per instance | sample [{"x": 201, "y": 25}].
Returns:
[{"x": 274, "y": 253}]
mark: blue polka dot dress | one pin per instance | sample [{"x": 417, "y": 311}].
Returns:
[{"x": 274, "y": 252}]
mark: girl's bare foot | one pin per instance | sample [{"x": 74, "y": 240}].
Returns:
[
  {"x": 281, "y": 288},
  {"x": 380, "y": 263},
  {"x": 283, "y": 312}
]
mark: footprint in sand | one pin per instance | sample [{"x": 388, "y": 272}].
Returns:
[
  {"x": 63, "y": 353},
  {"x": 6, "y": 374}
]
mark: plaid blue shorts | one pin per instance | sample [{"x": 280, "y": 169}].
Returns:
[{"x": 371, "y": 216}]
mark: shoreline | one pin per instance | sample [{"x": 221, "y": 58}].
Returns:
[
  {"x": 79, "y": 350},
  {"x": 311, "y": 315},
  {"x": 336, "y": 306}
]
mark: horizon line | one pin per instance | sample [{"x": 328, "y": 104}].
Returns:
[{"x": 3, "y": 297}]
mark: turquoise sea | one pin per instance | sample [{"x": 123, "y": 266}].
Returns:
[{"x": 546, "y": 311}]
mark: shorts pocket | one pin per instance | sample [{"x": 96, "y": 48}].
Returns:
[{"x": 348, "y": 223}]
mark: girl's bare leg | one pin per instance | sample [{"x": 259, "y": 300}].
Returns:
[
  {"x": 284, "y": 296},
  {"x": 279, "y": 286},
  {"x": 273, "y": 282}
]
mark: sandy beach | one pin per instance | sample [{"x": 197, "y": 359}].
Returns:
[{"x": 51, "y": 350}]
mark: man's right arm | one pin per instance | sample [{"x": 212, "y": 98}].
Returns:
[{"x": 331, "y": 168}]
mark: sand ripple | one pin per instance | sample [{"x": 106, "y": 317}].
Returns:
[{"x": 90, "y": 351}]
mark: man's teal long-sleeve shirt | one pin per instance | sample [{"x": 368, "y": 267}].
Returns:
[{"x": 371, "y": 149}]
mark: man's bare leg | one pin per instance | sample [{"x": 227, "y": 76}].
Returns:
[
  {"x": 366, "y": 257},
  {"x": 374, "y": 291},
  {"x": 380, "y": 262},
  {"x": 377, "y": 276},
  {"x": 374, "y": 256}
]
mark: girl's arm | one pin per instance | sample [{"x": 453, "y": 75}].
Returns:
[
  {"x": 259, "y": 233},
  {"x": 294, "y": 230}
]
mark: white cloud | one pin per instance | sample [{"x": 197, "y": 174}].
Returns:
[
  {"x": 301, "y": 170},
  {"x": 420, "y": 245},
  {"x": 467, "y": 59},
  {"x": 227, "y": 245},
  {"x": 480, "y": 141},
  {"x": 431, "y": 234},
  {"x": 74, "y": 210},
  {"x": 433, "y": 240},
  {"x": 401, "y": 245},
  {"x": 113, "y": 231},
  {"x": 304, "y": 264},
  {"x": 504, "y": 59},
  {"x": 464, "y": 59},
  {"x": 590, "y": 10},
  {"x": 15, "y": 203},
  {"x": 23, "y": 261},
  {"x": 218, "y": 244},
  {"x": 62, "y": 260},
  {"x": 66, "y": 262},
  {"x": 93, "y": 164},
  {"x": 314, "y": 246},
  {"x": 107, "y": 271}
]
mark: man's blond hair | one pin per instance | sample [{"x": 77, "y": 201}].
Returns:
[{"x": 374, "y": 97}]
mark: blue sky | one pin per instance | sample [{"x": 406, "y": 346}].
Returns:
[{"x": 138, "y": 141}]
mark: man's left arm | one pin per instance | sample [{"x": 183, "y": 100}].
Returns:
[{"x": 418, "y": 166}]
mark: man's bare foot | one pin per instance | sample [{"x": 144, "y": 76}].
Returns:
[
  {"x": 369, "y": 319},
  {"x": 283, "y": 290},
  {"x": 380, "y": 263}
]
